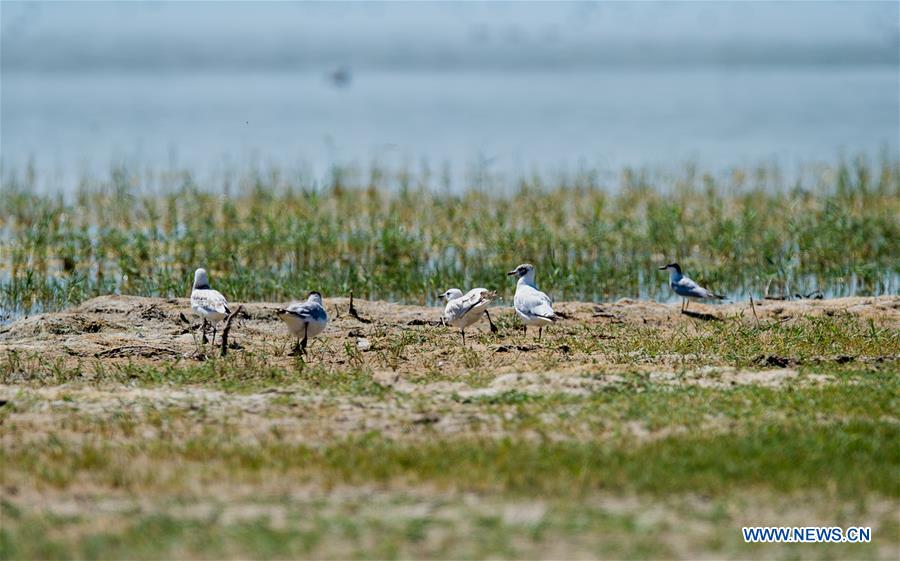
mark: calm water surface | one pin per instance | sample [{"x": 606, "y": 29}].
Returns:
[{"x": 506, "y": 122}]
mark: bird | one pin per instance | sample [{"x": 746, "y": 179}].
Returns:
[
  {"x": 685, "y": 287},
  {"x": 305, "y": 319},
  {"x": 533, "y": 306},
  {"x": 463, "y": 310},
  {"x": 207, "y": 303}
]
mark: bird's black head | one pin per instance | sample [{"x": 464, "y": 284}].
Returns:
[
  {"x": 674, "y": 266},
  {"x": 522, "y": 270}
]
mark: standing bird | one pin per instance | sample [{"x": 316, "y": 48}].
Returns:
[
  {"x": 532, "y": 305},
  {"x": 208, "y": 303},
  {"x": 462, "y": 311},
  {"x": 305, "y": 319},
  {"x": 685, "y": 287}
]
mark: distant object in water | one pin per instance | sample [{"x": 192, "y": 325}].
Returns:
[{"x": 341, "y": 77}]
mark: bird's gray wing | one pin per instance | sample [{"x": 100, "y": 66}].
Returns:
[
  {"x": 459, "y": 307},
  {"x": 210, "y": 300},
  {"x": 308, "y": 311},
  {"x": 687, "y": 287},
  {"x": 474, "y": 297},
  {"x": 537, "y": 303}
]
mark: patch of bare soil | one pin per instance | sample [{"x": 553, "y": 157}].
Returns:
[
  {"x": 402, "y": 338},
  {"x": 407, "y": 410},
  {"x": 429, "y": 388}
]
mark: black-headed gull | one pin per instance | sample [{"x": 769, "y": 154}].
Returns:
[
  {"x": 685, "y": 287},
  {"x": 463, "y": 310},
  {"x": 305, "y": 319},
  {"x": 207, "y": 303},
  {"x": 533, "y": 306}
]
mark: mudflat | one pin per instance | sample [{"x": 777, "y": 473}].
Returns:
[{"x": 629, "y": 430}]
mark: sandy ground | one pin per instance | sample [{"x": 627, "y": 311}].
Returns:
[
  {"x": 431, "y": 382},
  {"x": 432, "y": 388},
  {"x": 154, "y": 330}
]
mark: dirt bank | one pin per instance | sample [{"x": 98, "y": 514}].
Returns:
[{"x": 404, "y": 338}]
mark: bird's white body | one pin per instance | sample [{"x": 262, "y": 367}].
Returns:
[
  {"x": 462, "y": 310},
  {"x": 533, "y": 306},
  {"x": 305, "y": 319},
  {"x": 206, "y": 302}
]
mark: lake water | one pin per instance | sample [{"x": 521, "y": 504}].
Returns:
[{"x": 506, "y": 121}]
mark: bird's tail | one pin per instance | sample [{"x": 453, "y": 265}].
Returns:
[{"x": 719, "y": 297}]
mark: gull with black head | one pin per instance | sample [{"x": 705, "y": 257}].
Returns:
[
  {"x": 305, "y": 319},
  {"x": 685, "y": 287},
  {"x": 533, "y": 306}
]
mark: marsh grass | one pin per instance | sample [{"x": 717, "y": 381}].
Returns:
[{"x": 265, "y": 238}]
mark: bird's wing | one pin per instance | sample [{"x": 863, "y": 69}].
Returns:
[
  {"x": 537, "y": 303},
  {"x": 687, "y": 287},
  {"x": 459, "y": 307},
  {"x": 309, "y": 311},
  {"x": 211, "y": 300}
]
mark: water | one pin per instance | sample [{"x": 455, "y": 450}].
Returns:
[
  {"x": 463, "y": 90},
  {"x": 509, "y": 122},
  {"x": 469, "y": 88}
]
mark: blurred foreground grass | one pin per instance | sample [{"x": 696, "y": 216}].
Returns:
[{"x": 666, "y": 471}]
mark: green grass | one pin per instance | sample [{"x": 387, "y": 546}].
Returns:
[
  {"x": 712, "y": 459},
  {"x": 363, "y": 534},
  {"x": 851, "y": 457},
  {"x": 268, "y": 239},
  {"x": 839, "y": 434}
]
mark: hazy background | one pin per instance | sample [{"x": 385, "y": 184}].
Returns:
[{"x": 505, "y": 87}]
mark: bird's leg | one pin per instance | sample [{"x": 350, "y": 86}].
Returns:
[
  {"x": 540, "y": 332},
  {"x": 303, "y": 342},
  {"x": 524, "y": 330},
  {"x": 296, "y": 350},
  {"x": 687, "y": 304},
  {"x": 215, "y": 330},
  {"x": 463, "y": 332},
  {"x": 491, "y": 323},
  {"x": 203, "y": 327}
]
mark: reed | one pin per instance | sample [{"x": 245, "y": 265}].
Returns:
[{"x": 405, "y": 237}]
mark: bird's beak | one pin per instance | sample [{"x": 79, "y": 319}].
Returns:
[
  {"x": 663, "y": 268},
  {"x": 513, "y": 272}
]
